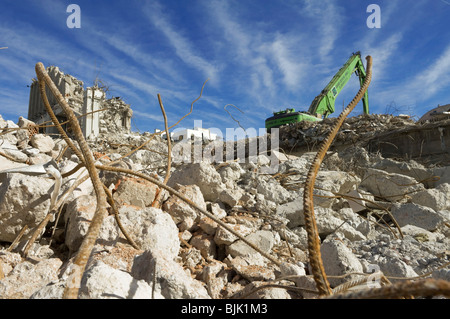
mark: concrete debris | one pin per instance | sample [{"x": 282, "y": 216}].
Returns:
[
  {"x": 24, "y": 201},
  {"x": 309, "y": 134},
  {"x": 251, "y": 272},
  {"x": 390, "y": 186},
  {"x": 77, "y": 218},
  {"x": 263, "y": 238},
  {"x": 43, "y": 143},
  {"x": 201, "y": 174},
  {"x": 360, "y": 197},
  {"x": 167, "y": 276},
  {"x": 151, "y": 228},
  {"x": 134, "y": 191},
  {"x": 101, "y": 281},
  {"x": 435, "y": 198},
  {"x": 339, "y": 260},
  {"x": 416, "y": 215},
  {"x": 182, "y": 213},
  {"x": 28, "y": 276}
]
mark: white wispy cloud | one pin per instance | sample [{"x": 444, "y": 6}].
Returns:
[
  {"x": 383, "y": 53},
  {"x": 265, "y": 59},
  {"x": 184, "y": 49},
  {"x": 425, "y": 83},
  {"x": 161, "y": 69},
  {"x": 158, "y": 118},
  {"x": 246, "y": 53},
  {"x": 328, "y": 31},
  {"x": 282, "y": 50}
]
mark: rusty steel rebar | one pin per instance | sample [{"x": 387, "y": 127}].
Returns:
[
  {"x": 315, "y": 257},
  {"x": 71, "y": 291}
]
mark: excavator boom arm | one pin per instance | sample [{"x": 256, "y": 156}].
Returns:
[{"x": 323, "y": 104}]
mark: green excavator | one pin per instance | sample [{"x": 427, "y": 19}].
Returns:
[{"x": 323, "y": 105}]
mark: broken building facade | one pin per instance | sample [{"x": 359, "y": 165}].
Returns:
[{"x": 86, "y": 103}]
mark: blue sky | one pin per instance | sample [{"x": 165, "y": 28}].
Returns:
[{"x": 260, "y": 56}]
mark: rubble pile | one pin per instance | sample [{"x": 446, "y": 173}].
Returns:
[
  {"x": 308, "y": 135},
  {"x": 373, "y": 213}
]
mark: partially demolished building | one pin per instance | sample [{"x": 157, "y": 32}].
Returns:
[{"x": 86, "y": 104}]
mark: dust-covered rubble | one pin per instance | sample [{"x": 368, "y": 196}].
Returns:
[{"x": 373, "y": 213}]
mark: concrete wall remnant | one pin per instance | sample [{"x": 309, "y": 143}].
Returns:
[{"x": 116, "y": 118}]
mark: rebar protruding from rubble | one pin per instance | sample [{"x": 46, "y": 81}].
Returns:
[
  {"x": 159, "y": 196},
  {"x": 401, "y": 289},
  {"x": 191, "y": 203},
  {"x": 71, "y": 291},
  {"x": 87, "y": 159},
  {"x": 315, "y": 257}
]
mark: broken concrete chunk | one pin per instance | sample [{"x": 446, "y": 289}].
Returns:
[
  {"x": 24, "y": 200},
  {"x": 224, "y": 237},
  {"x": 419, "y": 234},
  {"x": 267, "y": 293},
  {"x": 288, "y": 269},
  {"x": 230, "y": 174},
  {"x": 215, "y": 275},
  {"x": 393, "y": 266},
  {"x": 179, "y": 209},
  {"x": 101, "y": 281},
  {"x": 336, "y": 181},
  {"x": 169, "y": 278},
  {"x": 299, "y": 164},
  {"x": 43, "y": 143},
  {"x": 393, "y": 187},
  {"x": 7, "y": 164},
  {"x": 410, "y": 168},
  {"x": 15, "y": 155},
  {"x": 435, "y": 198},
  {"x": 263, "y": 238},
  {"x": 273, "y": 191},
  {"x": 443, "y": 173},
  {"x": 308, "y": 283},
  {"x": 191, "y": 257},
  {"x": 151, "y": 228},
  {"x": 443, "y": 274},
  {"x": 217, "y": 210},
  {"x": 339, "y": 260},
  {"x": 252, "y": 272},
  {"x": 416, "y": 215},
  {"x": 78, "y": 218},
  {"x": 135, "y": 191},
  {"x": 148, "y": 158},
  {"x": 296, "y": 237},
  {"x": 201, "y": 174},
  {"x": 208, "y": 225},
  {"x": 231, "y": 197},
  {"x": 9, "y": 261},
  {"x": 40, "y": 158},
  {"x": 293, "y": 211},
  {"x": 205, "y": 244},
  {"x": 328, "y": 224},
  {"x": 3, "y": 122},
  {"x": 27, "y": 277}
]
